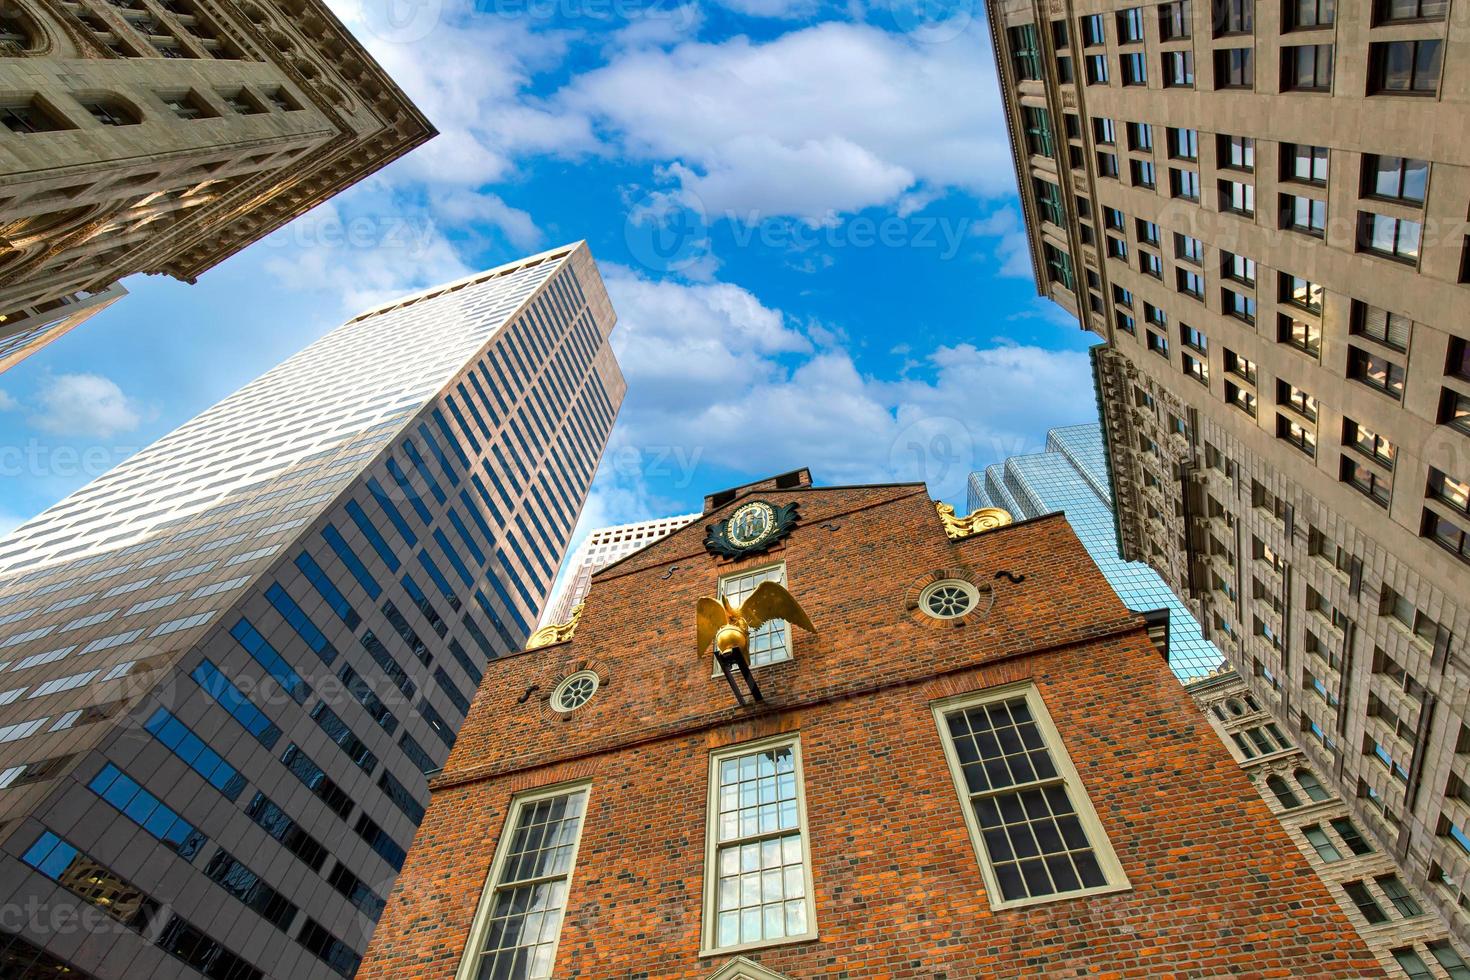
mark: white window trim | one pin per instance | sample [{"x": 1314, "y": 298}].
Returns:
[
  {"x": 562, "y": 686},
  {"x": 967, "y": 587},
  {"x": 1076, "y": 791},
  {"x": 469, "y": 961},
  {"x": 709, "y": 918},
  {"x": 790, "y": 640}
]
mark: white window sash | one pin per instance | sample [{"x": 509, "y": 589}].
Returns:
[
  {"x": 1077, "y": 793},
  {"x": 710, "y": 925},
  {"x": 469, "y": 964},
  {"x": 788, "y": 645}
]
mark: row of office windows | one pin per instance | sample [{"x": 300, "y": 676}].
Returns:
[
  {"x": 294, "y": 759},
  {"x": 419, "y": 599},
  {"x": 541, "y": 567},
  {"x": 107, "y": 615},
  {"x": 1176, "y": 20},
  {"x": 450, "y": 552},
  {"x": 1366, "y": 464},
  {"x": 97, "y": 885},
  {"x": 1398, "y": 67},
  {"x": 209, "y": 765},
  {"x": 1382, "y": 327},
  {"x": 32, "y": 114},
  {"x": 1395, "y": 180},
  {"x": 1434, "y": 636},
  {"x": 1033, "y": 829}
]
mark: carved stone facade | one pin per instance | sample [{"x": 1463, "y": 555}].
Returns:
[
  {"x": 1403, "y": 932},
  {"x": 1277, "y": 262},
  {"x": 163, "y": 136}
]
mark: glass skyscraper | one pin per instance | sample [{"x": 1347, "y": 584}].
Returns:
[
  {"x": 1071, "y": 476},
  {"x": 227, "y": 665}
]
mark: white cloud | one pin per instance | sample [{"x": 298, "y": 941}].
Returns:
[
  {"x": 1012, "y": 247},
  {"x": 470, "y": 70},
  {"x": 363, "y": 249},
  {"x": 716, "y": 377},
  {"x": 84, "y": 405},
  {"x": 680, "y": 344},
  {"x": 7, "y": 402},
  {"x": 817, "y": 177},
  {"x": 659, "y": 24},
  {"x": 466, "y": 210},
  {"x": 831, "y": 118},
  {"x": 817, "y": 123}
]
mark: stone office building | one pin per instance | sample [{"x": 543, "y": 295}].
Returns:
[
  {"x": 1262, "y": 212},
  {"x": 163, "y": 136},
  {"x": 227, "y": 665},
  {"x": 601, "y": 548},
  {"x": 1387, "y": 907},
  {"x": 978, "y": 765}
]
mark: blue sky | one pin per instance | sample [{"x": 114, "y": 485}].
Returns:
[{"x": 804, "y": 211}]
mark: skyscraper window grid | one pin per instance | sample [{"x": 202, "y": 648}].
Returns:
[{"x": 252, "y": 496}]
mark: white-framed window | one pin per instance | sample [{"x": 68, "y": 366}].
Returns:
[
  {"x": 758, "y": 869},
  {"x": 575, "y": 691},
  {"x": 1036, "y": 835},
  {"x": 948, "y": 598},
  {"x": 772, "y": 642},
  {"x": 518, "y": 922}
]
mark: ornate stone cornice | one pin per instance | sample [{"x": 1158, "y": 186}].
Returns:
[{"x": 307, "y": 42}]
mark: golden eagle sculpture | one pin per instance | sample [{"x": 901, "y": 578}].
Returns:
[{"x": 728, "y": 627}]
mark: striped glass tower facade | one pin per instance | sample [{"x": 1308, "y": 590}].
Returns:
[
  {"x": 1071, "y": 476},
  {"x": 227, "y": 665}
]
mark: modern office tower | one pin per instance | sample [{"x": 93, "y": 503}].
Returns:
[
  {"x": 163, "y": 136},
  {"x": 1071, "y": 476},
  {"x": 978, "y": 765},
  {"x": 1387, "y": 907},
  {"x": 1264, "y": 218},
  {"x": 600, "y": 549},
  {"x": 229, "y": 663}
]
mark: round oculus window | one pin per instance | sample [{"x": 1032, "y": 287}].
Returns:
[
  {"x": 949, "y": 598},
  {"x": 575, "y": 691}
]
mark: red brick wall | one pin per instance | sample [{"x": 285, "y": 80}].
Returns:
[{"x": 1216, "y": 887}]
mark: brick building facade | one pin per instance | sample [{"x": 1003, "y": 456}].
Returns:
[{"x": 842, "y": 827}]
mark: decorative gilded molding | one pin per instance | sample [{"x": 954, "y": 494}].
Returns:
[
  {"x": 984, "y": 519},
  {"x": 750, "y": 529},
  {"x": 556, "y": 632}
]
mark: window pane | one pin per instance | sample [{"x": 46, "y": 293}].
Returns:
[
  {"x": 1034, "y": 839},
  {"x": 522, "y": 922},
  {"x": 771, "y": 642},
  {"x": 760, "y": 889}
]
